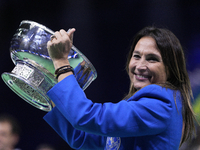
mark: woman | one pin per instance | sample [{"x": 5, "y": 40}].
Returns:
[{"x": 156, "y": 114}]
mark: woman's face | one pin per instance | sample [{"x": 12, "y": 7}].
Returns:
[{"x": 146, "y": 65}]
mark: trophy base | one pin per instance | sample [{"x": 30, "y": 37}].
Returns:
[{"x": 31, "y": 82}]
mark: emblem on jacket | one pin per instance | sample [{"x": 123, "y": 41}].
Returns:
[{"x": 113, "y": 143}]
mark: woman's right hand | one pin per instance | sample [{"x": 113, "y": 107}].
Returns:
[{"x": 59, "y": 47}]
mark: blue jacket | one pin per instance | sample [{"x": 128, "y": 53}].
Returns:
[{"x": 149, "y": 120}]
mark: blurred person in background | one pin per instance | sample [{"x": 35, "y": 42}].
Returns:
[
  {"x": 45, "y": 146},
  {"x": 9, "y": 132}
]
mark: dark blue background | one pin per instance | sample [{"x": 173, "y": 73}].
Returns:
[{"x": 104, "y": 29}]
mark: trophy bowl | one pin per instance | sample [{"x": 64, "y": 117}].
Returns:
[{"x": 33, "y": 74}]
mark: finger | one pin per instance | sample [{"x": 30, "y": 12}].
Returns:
[
  {"x": 68, "y": 34},
  {"x": 49, "y": 43},
  {"x": 71, "y": 33},
  {"x": 64, "y": 34},
  {"x": 53, "y": 37},
  {"x": 57, "y": 35}
]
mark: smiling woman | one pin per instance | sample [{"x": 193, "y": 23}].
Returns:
[
  {"x": 170, "y": 54},
  {"x": 146, "y": 65},
  {"x": 156, "y": 111}
]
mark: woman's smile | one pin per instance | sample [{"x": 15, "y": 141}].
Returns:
[{"x": 142, "y": 77}]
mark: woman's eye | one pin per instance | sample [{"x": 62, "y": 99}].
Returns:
[
  {"x": 152, "y": 59},
  {"x": 136, "y": 56}
]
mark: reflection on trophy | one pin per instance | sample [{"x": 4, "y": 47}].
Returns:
[{"x": 33, "y": 74}]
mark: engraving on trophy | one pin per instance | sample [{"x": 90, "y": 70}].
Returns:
[{"x": 26, "y": 72}]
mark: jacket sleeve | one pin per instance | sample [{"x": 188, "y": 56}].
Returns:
[
  {"x": 147, "y": 112},
  {"x": 75, "y": 138}
]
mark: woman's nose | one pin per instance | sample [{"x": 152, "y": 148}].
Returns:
[{"x": 141, "y": 65}]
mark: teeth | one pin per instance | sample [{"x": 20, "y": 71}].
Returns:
[{"x": 140, "y": 76}]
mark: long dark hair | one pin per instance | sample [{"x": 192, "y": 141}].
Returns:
[{"x": 174, "y": 61}]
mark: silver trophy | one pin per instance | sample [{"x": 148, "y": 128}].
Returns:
[{"x": 33, "y": 74}]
